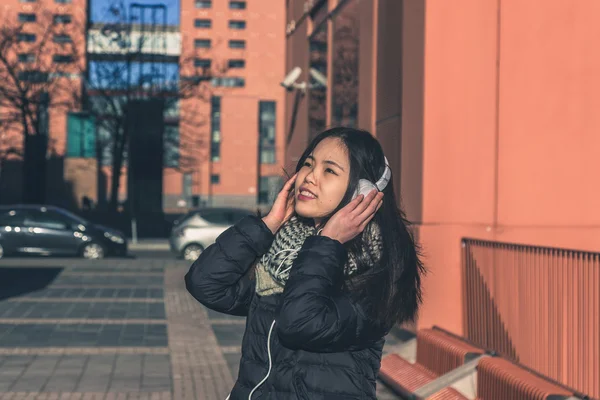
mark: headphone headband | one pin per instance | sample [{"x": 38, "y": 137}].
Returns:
[{"x": 385, "y": 177}]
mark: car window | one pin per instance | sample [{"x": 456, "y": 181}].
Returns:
[
  {"x": 217, "y": 217},
  {"x": 69, "y": 216},
  {"x": 11, "y": 217},
  {"x": 46, "y": 219},
  {"x": 186, "y": 217}
]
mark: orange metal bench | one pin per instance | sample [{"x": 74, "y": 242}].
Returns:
[
  {"x": 438, "y": 352},
  {"x": 499, "y": 379}
]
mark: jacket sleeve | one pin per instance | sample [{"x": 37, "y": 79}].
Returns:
[
  {"x": 218, "y": 278},
  {"x": 312, "y": 316}
]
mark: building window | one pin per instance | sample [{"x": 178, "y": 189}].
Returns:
[
  {"x": 266, "y": 130},
  {"x": 62, "y": 19},
  {"x": 233, "y": 24},
  {"x": 237, "y": 63},
  {"x": 202, "y": 43},
  {"x": 202, "y": 23},
  {"x": 62, "y": 39},
  {"x": 215, "y": 128},
  {"x": 27, "y": 1},
  {"x": 345, "y": 48},
  {"x": 26, "y": 17},
  {"x": 237, "y": 44},
  {"x": 26, "y": 57},
  {"x": 268, "y": 188},
  {"x": 203, "y": 4},
  {"x": 237, "y": 5},
  {"x": 171, "y": 146},
  {"x": 62, "y": 58},
  {"x": 63, "y": 1},
  {"x": 63, "y": 74},
  {"x": 81, "y": 135},
  {"x": 26, "y": 37},
  {"x": 317, "y": 97},
  {"x": 215, "y": 179},
  {"x": 228, "y": 82},
  {"x": 202, "y": 62},
  {"x": 186, "y": 187},
  {"x": 33, "y": 76}
]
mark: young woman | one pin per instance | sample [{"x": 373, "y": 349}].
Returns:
[{"x": 334, "y": 270}]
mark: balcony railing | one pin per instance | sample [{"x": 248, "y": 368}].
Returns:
[{"x": 538, "y": 306}]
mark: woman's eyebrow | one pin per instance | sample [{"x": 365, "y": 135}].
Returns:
[{"x": 331, "y": 162}]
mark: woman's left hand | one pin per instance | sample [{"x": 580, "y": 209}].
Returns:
[{"x": 351, "y": 220}]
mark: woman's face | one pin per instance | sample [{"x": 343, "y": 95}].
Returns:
[{"x": 322, "y": 180}]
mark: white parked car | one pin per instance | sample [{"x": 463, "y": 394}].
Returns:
[{"x": 198, "y": 229}]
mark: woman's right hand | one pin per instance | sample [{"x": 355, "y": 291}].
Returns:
[{"x": 283, "y": 207}]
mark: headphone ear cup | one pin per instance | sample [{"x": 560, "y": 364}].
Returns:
[{"x": 364, "y": 187}]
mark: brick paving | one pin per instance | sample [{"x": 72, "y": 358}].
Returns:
[
  {"x": 199, "y": 369},
  {"x": 72, "y": 329},
  {"x": 83, "y": 350},
  {"x": 112, "y": 329},
  {"x": 100, "y": 285},
  {"x": 84, "y": 300}
]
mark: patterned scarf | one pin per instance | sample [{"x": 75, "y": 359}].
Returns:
[{"x": 273, "y": 269}]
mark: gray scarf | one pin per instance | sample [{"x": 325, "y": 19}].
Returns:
[{"x": 274, "y": 267}]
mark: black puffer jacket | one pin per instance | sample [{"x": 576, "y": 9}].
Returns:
[{"x": 322, "y": 346}]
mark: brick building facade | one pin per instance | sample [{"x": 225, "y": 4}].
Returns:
[{"x": 230, "y": 138}]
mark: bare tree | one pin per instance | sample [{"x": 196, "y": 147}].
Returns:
[
  {"x": 37, "y": 57},
  {"x": 116, "y": 78}
]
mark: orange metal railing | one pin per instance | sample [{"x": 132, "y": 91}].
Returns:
[{"x": 538, "y": 306}]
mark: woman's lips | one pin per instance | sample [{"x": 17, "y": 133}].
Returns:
[{"x": 306, "y": 196}]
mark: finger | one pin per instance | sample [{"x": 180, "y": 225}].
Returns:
[
  {"x": 288, "y": 186},
  {"x": 360, "y": 208},
  {"x": 290, "y": 182},
  {"x": 364, "y": 224},
  {"x": 354, "y": 203}
]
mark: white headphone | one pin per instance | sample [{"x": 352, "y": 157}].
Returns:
[{"x": 366, "y": 186}]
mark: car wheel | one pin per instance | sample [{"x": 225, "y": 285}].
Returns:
[
  {"x": 92, "y": 251},
  {"x": 192, "y": 252}
]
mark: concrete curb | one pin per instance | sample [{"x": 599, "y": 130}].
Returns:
[{"x": 149, "y": 245}]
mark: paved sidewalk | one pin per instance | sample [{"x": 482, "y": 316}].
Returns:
[
  {"x": 112, "y": 329},
  {"x": 72, "y": 329}
]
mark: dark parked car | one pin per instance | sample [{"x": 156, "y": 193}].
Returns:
[{"x": 48, "y": 230}]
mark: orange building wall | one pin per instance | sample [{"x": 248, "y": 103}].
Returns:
[
  {"x": 458, "y": 186},
  {"x": 489, "y": 119},
  {"x": 64, "y": 187},
  {"x": 509, "y": 134},
  {"x": 265, "y": 68},
  {"x": 549, "y": 123}
]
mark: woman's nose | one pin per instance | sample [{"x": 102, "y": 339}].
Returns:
[{"x": 310, "y": 177}]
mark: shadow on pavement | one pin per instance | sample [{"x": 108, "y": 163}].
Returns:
[
  {"x": 19, "y": 281},
  {"x": 65, "y": 256}
]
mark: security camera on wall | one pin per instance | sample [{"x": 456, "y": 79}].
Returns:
[
  {"x": 319, "y": 78},
  {"x": 289, "y": 82}
]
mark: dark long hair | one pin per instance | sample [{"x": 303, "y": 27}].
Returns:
[{"x": 391, "y": 290}]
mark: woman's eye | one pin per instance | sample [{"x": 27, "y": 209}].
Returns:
[
  {"x": 330, "y": 171},
  {"x": 306, "y": 164}
]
